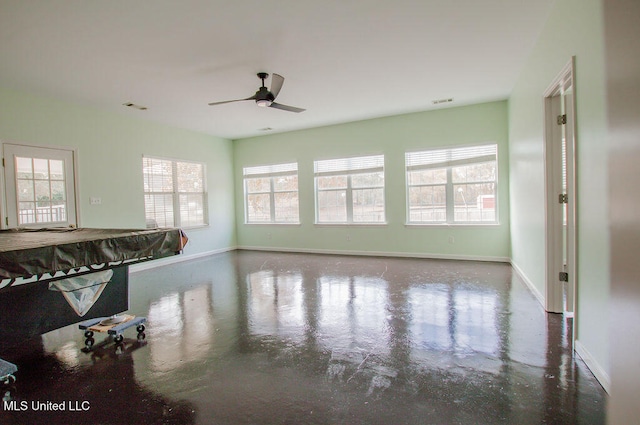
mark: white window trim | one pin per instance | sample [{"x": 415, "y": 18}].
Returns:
[
  {"x": 73, "y": 195},
  {"x": 348, "y": 172},
  {"x": 270, "y": 171},
  {"x": 448, "y": 164},
  {"x": 175, "y": 194}
]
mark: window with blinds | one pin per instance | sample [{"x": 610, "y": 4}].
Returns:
[
  {"x": 174, "y": 193},
  {"x": 453, "y": 185},
  {"x": 350, "y": 190},
  {"x": 271, "y": 194}
]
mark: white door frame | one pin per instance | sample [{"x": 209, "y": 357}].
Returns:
[
  {"x": 7, "y": 185},
  {"x": 556, "y": 103}
]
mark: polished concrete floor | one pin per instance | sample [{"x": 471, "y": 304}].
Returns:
[{"x": 269, "y": 338}]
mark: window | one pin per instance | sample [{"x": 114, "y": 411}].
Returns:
[
  {"x": 40, "y": 187},
  {"x": 350, "y": 190},
  {"x": 455, "y": 185},
  {"x": 271, "y": 193},
  {"x": 174, "y": 193}
]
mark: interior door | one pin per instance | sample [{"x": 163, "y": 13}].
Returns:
[
  {"x": 39, "y": 187},
  {"x": 569, "y": 207},
  {"x": 561, "y": 267}
]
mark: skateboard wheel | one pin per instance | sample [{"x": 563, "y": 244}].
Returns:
[
  {"x": 118, "y": 339},
  {"x": 88, "y": 334},
  {"x": 140, "y": 328},
  {"x": 141, "y": 336},
  {"x": 89, "y": 342}
]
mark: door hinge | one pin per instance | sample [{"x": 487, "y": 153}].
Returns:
[
  {"x": 562, "y": 119},
  {"x": 6, "y": 220},
  {"x": 3, "y": 162},
  {"x": 563, "y": 277},
  {"x": 563, "y": 198}
]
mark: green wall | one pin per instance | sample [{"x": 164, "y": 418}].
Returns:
[
  {"x": 110, "y": 147},
  {"x": 391, "y": 136},
  {"x": 574, "y": 28}
]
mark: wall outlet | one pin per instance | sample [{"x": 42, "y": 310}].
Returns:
[
  {"x": 95, "y": 200},
  {"x": 348, "y": 238},
  {"x": 268, "y": 235},
  {"x": 452, "y": 239}
]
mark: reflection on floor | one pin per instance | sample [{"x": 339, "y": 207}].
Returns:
[{"x": 269, "y": 338}]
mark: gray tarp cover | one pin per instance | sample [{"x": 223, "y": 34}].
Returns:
[{"x": 26, "y": 252}]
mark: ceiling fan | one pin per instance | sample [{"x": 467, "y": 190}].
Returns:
[{"x": 264, "y": 97}]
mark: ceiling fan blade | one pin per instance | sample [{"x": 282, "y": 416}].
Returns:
[
  {"x": 286, "y": 107},
  {"x": 229, "y": 101},
  {"x": 276, "y": 84}
]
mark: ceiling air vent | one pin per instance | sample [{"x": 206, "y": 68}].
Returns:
[
  {"x": 439, "y": 101},
  {"x": 133, "y": 105}
]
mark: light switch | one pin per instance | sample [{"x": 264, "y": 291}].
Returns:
[{"x": 95, "y": 200}]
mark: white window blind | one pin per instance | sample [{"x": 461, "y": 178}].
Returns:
[
  {"x": 271, "y": 193},
  {"x": 367, "y": 164},
  {"x": 450, "y": 157},
  {"x": 271, "y": 170},
  {"x": 174, "y": 193}
]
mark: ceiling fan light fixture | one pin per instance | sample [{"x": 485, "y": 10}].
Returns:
[{"x": 264, "y": 102}]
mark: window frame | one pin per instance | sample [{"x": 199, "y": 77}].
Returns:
[
  {"x": 176, "y": 193},
  {"x": 338, "y": 167},
  {"x": 271, "y": 171},
  {"x": 448, "y": 164}
]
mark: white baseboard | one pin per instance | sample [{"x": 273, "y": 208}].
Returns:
[
  {"x": 536, "y": 293},
  {"x": 147, "y": 265},
  {"x": 594, "y": 366},
  {"x": 579, "y": 348},
  {"x": 378, "y": 254}
]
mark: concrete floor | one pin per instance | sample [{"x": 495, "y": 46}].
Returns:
[{"x": 269, "y": 338}]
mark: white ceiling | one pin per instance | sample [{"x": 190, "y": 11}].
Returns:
[{"x": 343, "y": 60}]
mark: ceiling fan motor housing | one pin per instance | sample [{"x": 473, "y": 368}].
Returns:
[{"x": 264, "y": 94}]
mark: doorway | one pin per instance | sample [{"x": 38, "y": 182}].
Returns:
[
  {"x": 39, "y": 187},
  {"x": 560, "y": 185}
]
